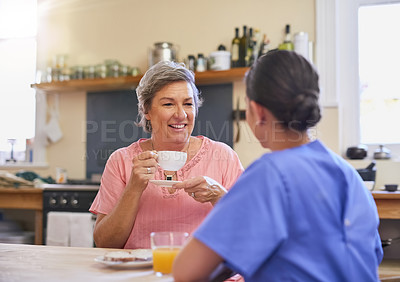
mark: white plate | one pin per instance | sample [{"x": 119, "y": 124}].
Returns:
[
  {"x": 129, "y": 264},
  {"x": 164, "y": 183}
]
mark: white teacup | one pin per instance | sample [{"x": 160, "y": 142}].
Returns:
[{"x": 171, "y": 160}]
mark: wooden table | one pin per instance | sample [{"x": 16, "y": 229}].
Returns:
[
  {"x": 48, "y": 263},
  {"x": 388, "y": 204},
  {"x": 25, "y": 199}
]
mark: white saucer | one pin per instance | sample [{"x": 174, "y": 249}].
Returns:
[
  {"x": 129, "y": 264},
  {"x": 145, "y": 254},
  {"x": 164, "y": 183}
]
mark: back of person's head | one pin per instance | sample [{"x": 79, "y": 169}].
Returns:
[
  {"x": 158, "y": 76},
  {"x": 286, "y": 84}
]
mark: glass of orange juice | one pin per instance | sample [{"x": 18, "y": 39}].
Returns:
[{"x": 165, "y": 246}]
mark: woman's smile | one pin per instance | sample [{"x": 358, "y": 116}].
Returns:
[{"x": 177, "y": 126}]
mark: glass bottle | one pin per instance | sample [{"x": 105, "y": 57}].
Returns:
[
  {"x": 287, "y": 43},
  {"x": 235, "y": 49}
]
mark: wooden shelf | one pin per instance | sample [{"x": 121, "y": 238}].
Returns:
[{"x": 130, "y": 82}]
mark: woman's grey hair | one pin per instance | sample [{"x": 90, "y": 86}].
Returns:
[{"x": 158, "y": 76}]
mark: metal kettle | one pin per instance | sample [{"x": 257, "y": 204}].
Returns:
[
  {"x": 382, "y": 153},
  {"x": 162, "y": 51}
]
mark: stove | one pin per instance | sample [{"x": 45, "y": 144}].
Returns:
[{"x": 68, "y": 197}]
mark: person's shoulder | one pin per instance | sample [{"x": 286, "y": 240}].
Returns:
[
  {"x": 126, "y": 152},
  {"x": 215, "y": 145}
]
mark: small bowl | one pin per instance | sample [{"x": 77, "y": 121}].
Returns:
[{"x": 391, "y": 187}]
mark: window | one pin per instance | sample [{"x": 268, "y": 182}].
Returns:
[
  {"x": 379, "y": 61},
  {"x": 17, "y": 72},
  {"x": 347, "y": 36}
]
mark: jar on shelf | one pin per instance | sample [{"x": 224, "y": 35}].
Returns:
[
  {"x": 101, "y": 71},
  {"x": 90, "y": 72},
  {"x": 201, "y": 63}
]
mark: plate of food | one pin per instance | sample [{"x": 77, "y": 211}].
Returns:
[
  {"x": 138, "y": 258},
  {"x": 164, "y": 183}
]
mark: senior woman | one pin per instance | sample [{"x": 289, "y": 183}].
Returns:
[
  {"x": 128, "y": 206},
  {"x": 299, "y": 213}
]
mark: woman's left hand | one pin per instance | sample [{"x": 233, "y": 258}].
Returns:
[{"x": 202, "y": 189}]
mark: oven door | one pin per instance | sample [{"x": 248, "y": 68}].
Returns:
[{"x": 67, "y": 212}]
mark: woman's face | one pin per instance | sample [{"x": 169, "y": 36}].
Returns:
[{"x": 172, "y": 113}]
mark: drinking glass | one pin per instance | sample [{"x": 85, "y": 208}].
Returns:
[{"x": 165, "y": 246}]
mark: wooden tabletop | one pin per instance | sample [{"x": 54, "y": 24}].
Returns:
[{"x": 48, "y": 263}]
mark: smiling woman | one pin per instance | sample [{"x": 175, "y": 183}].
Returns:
[
  {"x": 17, "y": 72},
  {"x": 129, "y": 204}
]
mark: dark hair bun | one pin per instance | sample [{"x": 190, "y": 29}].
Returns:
[
  {"x": 305, "y": 111},
  {"x": 286, "y": 84}
]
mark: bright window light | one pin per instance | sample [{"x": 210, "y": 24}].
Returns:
[
  {"x": 17, "y": 72},
  {"x": 379, "y": 62}
]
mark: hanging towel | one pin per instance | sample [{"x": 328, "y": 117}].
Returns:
[
  {"x": 57, "y": 229},
  {"x": 74, "y": 229},
  {"x": 81, "y": 229}
]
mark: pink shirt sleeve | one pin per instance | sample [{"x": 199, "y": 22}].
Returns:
[{"x": 113, "y": 180}]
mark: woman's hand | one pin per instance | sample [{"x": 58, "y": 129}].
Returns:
[
  {"x": 202, "y": 189},
  {"x": 144, "y": 167}
]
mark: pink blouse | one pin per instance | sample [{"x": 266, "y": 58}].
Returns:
[{"x": 158, "y": 209}]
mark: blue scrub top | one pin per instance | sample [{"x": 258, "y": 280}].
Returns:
[{"x": 301, "y": 214}]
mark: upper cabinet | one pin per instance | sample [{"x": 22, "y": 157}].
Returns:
[{"x": 130, "y": 82}]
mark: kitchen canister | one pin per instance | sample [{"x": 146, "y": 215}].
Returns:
[
  {"x": 300, "y": 42},
  {"x": 163, "y": 51},
  {"x": 220, "y": 60}
]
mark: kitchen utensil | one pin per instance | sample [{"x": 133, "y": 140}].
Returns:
[
  {"x": 220, "y": 60},
  {"x": 382, "y": 153},
  {"x": 163, "y": 51},
  {"x": 237, "y": 120},
  {"x": 357, "y": 153},
  {"x": 368, "y": 173},
  {"x": 171, "y": 160},
  {"x": 391, "y": 187}
]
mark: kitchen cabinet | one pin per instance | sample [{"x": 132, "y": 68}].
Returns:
[
  {"x": 25, "y": 199},
  {"x": 388, "y": 204},
  {"x": 129, "y": 82}
]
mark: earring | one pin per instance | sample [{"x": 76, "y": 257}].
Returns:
[
  {"x": 260, "y": 122},
  {"x": 148, "y": 125}
]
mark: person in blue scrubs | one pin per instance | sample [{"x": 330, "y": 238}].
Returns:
[{"x": 299, "y": 213}]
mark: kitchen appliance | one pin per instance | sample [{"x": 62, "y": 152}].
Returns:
[
  {"x": 74, "y": 196},
  {"x": 357, "y": 153},
  {"x": 163, "y": 51},
  {"x": 382, "y": 153},
  {"x": 368, "y": 174},
  {"x": 391, "y": 187},
  {"x": 220, "y": 60}
]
